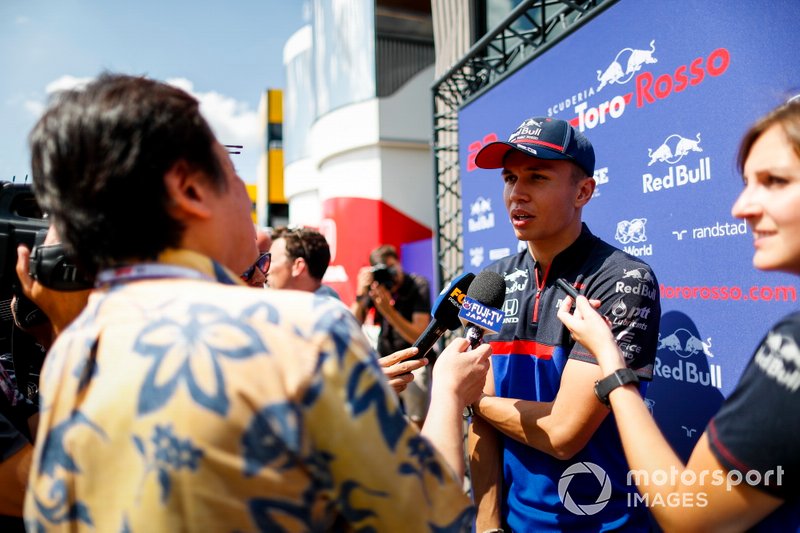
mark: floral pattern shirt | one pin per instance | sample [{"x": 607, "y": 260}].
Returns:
[{"x": 179, "y": 404}]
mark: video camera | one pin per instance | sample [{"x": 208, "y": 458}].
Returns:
[
  {"x": 384, "y": 275},
  {"x": 23, "y": 222}
]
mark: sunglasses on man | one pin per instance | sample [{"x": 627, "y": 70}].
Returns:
[{"x": 262, "y": 264}]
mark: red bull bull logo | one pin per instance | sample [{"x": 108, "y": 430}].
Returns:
[
  {"x": 636, "y": 281},
  {"x": 481, "y": 216},
  {"x": 633, "y": 59},
  {"x": 779, "y": 358},
  {"x": 673, "y": 149},
  {"x": 685, "y": 344}
]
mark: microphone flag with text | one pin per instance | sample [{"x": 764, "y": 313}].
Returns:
[
  {"x": 481, "y": 309},
  {"x": 445, "y": 313}
]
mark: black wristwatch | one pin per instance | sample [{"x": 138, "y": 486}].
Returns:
[{"x": 603, "y": 387}]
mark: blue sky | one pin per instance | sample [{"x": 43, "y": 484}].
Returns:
[{"x": 225, "y": 53}]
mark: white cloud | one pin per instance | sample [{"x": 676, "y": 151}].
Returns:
[
  {"x": 36, "y": 107},
  {"x": 233, "y": 122},
  {"x": 66, "y": 82},
  {"x": 33, "y": 107}
]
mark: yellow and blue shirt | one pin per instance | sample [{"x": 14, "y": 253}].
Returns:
[{"x": 183, "y": 404}]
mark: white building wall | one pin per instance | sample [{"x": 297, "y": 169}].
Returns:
[{"x": 376, "y": 149}]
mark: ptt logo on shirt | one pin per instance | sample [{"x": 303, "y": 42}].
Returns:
[{"x": 481, "y": 315}]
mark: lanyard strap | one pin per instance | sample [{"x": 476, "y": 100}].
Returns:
[{"x": 147, "y": 271}]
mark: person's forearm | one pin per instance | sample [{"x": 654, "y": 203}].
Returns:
[
  {"x": 443, "y": 428},
  {"x": 14, "y": 473},
  {"x": 645, "y": 446},
  {"x": 485, "y": 473},
  {"x": 523, "y": 421}
]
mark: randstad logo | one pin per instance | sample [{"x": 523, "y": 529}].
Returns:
[
  {"x": 582, "y": 508},
  {"x": 633, "y": 61},
  {"x": 480, "y": 215}
]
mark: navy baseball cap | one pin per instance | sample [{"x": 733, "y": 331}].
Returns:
[{"x": 544, "y": 138}]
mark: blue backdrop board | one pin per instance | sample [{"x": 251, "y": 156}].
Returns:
[{"x": 664, "y": 91}]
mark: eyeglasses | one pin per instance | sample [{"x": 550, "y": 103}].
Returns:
[{"x": 262, "y": 264}]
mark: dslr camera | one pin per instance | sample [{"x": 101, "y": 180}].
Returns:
[{"x": 384, "y": 275}]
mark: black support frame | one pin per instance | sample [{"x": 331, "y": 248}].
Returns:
[{"x": 529, "y": 30}]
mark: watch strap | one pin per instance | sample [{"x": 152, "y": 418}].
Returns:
[{"x": 603, "y": 387}]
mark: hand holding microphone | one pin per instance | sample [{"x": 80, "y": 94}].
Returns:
[
  {"x": 481, "y": 312},
  {"x": 445, "y": 313}
]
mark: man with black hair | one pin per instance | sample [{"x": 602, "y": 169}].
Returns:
[
  {"x": 231, "y": 409},
  {"x": 539, "y": 423}
]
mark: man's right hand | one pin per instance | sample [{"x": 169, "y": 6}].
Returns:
[{"x": 461, "y": 372}]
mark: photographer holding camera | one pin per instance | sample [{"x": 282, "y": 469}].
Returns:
[
  {"x": 402, "y": 312},
  {"x": 53, "y": 293}
]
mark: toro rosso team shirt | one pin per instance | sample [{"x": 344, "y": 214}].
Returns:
[{"x": 528, "y": 358}]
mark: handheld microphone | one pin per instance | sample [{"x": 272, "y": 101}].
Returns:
[
  {"x": 445, "y": 313},
  {"x": 481, "y": 309}
]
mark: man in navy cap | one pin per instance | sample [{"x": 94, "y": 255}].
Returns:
[{"x": 545, "y": 454}]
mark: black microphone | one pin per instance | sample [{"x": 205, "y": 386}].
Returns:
[
  {"x": 482, "y": 306},
  {"x": 445, "y": 313}
]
